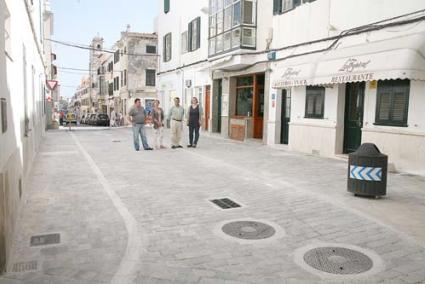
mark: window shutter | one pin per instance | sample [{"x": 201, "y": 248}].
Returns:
[
  {"x": 164, "y": 48},
  {"x": 198, "y": 35},
  {"x": 277, "y": 7},
  {"x": 166, "y": 6},
  {"x": 399, "y": 107},
  {"x": 384, "y": 106},
  {"x": 189, "y": 36}
]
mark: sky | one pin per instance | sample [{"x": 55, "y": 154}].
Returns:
[{"x": 78, "y": 21}]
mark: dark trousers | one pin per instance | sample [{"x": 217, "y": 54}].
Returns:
[{"x": 193, "y": 128}]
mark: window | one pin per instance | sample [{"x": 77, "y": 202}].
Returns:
[
  {"x": 184, "y": 46},
  {"x": 392, "y": 102},
  {"x": 150, "y": 77},
  {"x": 232, "y": 24},
  {"x": 110, "y": 66},
  {"x": 117, "y": 56},
  {"x": 281, "y": 6},
  {"x": 167, "y": 47},
  {"x": 194, "y": 34},
  {"x": 3, "y": 110},
  {"x": 315, "y": 102},
  {"x": 151, "y": 49},
  {"x": 116, "y": 83},
  {"x": 166, "y": 6},
  {"x": 125, "y": 77},
  {"x": 122, "y": 78}
]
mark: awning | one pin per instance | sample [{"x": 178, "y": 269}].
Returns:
[{"x": 396, "y": 58}]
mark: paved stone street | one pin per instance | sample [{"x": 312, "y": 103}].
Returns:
[{"x": 145, "y": 217}]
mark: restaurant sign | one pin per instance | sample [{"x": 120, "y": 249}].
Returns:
[
  {"x": 287, "y": 79},
  {"x": 350, "y": 66}
]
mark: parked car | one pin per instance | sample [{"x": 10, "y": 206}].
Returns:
[
  {"x": 92, "y": 119},
  {"x": 71, "y": 118},
  {"x": 102, "y": 119},
  {"x": 86, "y": 118}
]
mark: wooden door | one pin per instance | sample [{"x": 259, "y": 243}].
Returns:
[
  {"x": 354, "y": 104},
  {"x": 207, "y": 107}
]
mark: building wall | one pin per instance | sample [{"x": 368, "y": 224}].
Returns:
[{"x": 17, "y": 150}]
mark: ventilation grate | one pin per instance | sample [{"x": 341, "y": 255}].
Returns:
[
  {"x": 225, "y": 203},
  {"x": 42, "y": 240},
  {"x": 24, "y": 266}
]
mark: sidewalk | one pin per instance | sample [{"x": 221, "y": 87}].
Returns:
[{"x": 145, "y": 217}]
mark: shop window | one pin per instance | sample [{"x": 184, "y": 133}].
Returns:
[
  {"x": 166, "y": 6},
  {"x": 315, "y": 102},
  {"x": 392, "y": 104},
  {"x": 184, "y": 46},
  {"x": 167, "y": 47},
  {"x": 151, "y": 49},
  {"x": 125, "y": 77},
  {"x": 194, "y": 34},
  {"x": 110, "y": 91},
  {"x": 244, "y": 99},
  {"x": 150, "y": 77},
  {"x": 3, "y": 110}
]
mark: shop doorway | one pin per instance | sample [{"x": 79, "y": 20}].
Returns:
[
  {"x": 207, "y": 106},
  {"x": 354, "y": 109},
  {"x": 285, "y": 117},
  {"x": 258, "y": 106}
]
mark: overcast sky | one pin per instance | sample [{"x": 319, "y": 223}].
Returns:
[{"x": 78, "y": 21}]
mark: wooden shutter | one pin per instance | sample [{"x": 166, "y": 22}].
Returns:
[
  {"x": 198, "y": 35},
  {"x": 189, "y": 36},
  {"x": 277, "y": 7}
]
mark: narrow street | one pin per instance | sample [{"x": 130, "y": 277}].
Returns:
[{"x": 146, "y": 217}]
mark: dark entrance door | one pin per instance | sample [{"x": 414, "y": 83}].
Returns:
[
  {"x": 354, "y": 104},
  {"x": 216, "y": 106},
  {"x": 285, "y": 117}
]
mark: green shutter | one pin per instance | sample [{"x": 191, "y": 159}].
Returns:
[
  {"x": 277, "y": 7},
  {"x": 166, "y": 6},
  {"x": 198, "y": 28}
]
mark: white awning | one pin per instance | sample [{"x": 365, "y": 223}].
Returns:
[{"x": 396, "y": 58}]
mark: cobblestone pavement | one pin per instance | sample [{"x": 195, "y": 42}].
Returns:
[{"x": 145, "y": 217}]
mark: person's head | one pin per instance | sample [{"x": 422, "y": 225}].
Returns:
[
  {"x": 176, "y": 101},
  {"x": 194, "y": 100},
  {"x": 156, "y": 103},
  {"x": 137, "y": 102}
]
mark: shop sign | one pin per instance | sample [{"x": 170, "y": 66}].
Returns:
[
  {"x": 352, "y": 78},
  {"x": 353, "y": 64},
  {"x": 287, "y": 79}
]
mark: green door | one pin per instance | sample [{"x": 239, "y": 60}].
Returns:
[
  {"x": 285, "y": 117},
  {"x": 354, "y": 105}
]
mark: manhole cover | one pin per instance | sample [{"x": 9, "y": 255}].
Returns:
[
  {"x": 338, "y": 260},
  {"x": 249, "y": 230},
  {"x": 45, "y": 240}
]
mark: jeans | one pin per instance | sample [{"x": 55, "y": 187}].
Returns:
[
  {"x": 139, "y": 129},
  {"x": 193, "y": 128}
]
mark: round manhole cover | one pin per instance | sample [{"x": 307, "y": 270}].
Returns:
[
  {"x": 249, "y": 230},
  {"x": 338, "y": 260}
]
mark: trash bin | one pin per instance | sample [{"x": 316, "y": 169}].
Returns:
[{"x": 367, "y": 171}]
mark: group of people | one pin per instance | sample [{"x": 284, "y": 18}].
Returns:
[
  {"x": 116, "y": 119},
  {"x": 177, "y": 115}
]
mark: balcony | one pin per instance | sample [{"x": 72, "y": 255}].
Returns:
[{"x": 232, "y": 25}]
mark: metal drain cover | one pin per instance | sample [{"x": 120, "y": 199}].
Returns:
[
  {"x": 42, "y": 240},
  {"x": 248, "y": 230},
  {"x": 24, "y": 266},
  {"x": 338, "y": 260}
]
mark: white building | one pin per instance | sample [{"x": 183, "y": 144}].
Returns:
[
  {"x": 321, "y": 76},
  {"x": 183, "y": 62},
  {"x": 350, "y": 72},
  {"x": 22, "y": 100}
]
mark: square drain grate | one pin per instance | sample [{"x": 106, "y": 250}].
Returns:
[
  {"x": 225, "y": 203},
  {"x": 24, "y": 266},
  {"x": 42, "y": 240}
]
